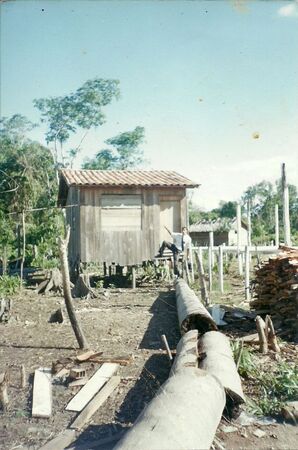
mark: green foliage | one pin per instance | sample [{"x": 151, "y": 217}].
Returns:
[
  {"x": 9, "y": 285},
  {"x": 125, "y": 153},
  {"x": 273, "y": 387},
  {"x": 244, "y": 358},
  {"x": 28, "y": 181},
  {"x": 263, "y": 197},
  {"x": 81, "y": 109}
]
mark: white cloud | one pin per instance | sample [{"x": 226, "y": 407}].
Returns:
[{"x": 290, "y": 10}]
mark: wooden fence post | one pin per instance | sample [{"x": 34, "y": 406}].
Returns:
[
  {"x": 134, "y": 277},
  {"x": 200, "y": 255},
  {"x": 286, "y": 207},
  {"x": 240, "y": 266},
  {"x": 276, "y": 226},
  {"x": 210, "y": 267},
  {"x": 247, "y": 264},
  {"x": 211, "y": 245},
  {"x": 249, "y": 222},
  {"x": 204, "y": 292},
  {"x": 220, "y": 269}
]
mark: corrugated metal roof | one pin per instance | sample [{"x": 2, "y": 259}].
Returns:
[
  {"x": 125, "y": 178},
  {"x": 213, "y": 225}
]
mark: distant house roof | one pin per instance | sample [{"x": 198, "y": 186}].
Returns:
[
  {"x": 215, "y": 225},
  {"x": 123, "y": 178}
]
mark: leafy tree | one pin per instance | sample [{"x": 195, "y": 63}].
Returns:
[
  {"x": 125, "y": 153},
  {"x": 81, "y": 110},
  {"x": 28, "y": 181},
  {"x": 263, "y": 197}
]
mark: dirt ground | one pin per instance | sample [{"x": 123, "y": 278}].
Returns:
[{"x": 120, "y": 322}]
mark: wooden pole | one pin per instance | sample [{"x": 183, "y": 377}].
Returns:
[
  {"x": 24, "y": 248},
  {"x": 240, "y": 266},
  {"x": 204, "y": 291},
  {"x": 248, "y": 223},
  {"x": 210, "y": 267},
  {"x": 272, "y": 340},
  {"x": 276, "y": 226},
  {"x": 220, "y": 269},
  {"x": 200, "y": 255},
  {"x": 286, "y": 207},
  {"x": 211, "y": 245},
  {"x": 247, "y": 267},
  {"x": 134, "y": 277},
  {"x": 165, "y": 342},
  {"x": 63, "y": 243},
  {"x": 261, "y": 327}
]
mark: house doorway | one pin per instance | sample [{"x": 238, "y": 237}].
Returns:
[{"x": 170, "y": 217}]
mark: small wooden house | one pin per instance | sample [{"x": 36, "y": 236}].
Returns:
[
  {"x": 224, "y": 232},
  {"x": 119, "y": 216}
]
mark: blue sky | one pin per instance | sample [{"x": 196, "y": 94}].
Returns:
[{"x": 201, "y": 77}]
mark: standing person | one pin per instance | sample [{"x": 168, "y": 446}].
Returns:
[{"x": 181, "y": 243}]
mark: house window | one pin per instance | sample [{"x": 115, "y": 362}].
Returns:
[{"x": 121, "y": 212}]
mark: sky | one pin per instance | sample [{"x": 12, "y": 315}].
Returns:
[{"x": 214, "y": 83}]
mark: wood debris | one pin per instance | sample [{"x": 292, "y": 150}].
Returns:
[
  {"x": 103, "y": 374},
  {"x": 277, "y": 290},
  {"x": 42, "y": 393},
  {"x": 5, "y": 308}
]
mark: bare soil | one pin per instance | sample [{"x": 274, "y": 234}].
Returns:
[{"x": 119, "y": 322}]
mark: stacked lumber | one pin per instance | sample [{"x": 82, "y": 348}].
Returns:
[{"x": 276, "y": 289}]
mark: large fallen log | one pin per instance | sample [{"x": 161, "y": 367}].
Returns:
[
  {"x": 186, "y": 410},
  {"x": 191, "y": 312},
  {"x": 216, "y": 357}
]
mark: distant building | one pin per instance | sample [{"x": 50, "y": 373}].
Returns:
[
  {"x": 224, "y": 232},
  {"x": 120, "y": 216}
]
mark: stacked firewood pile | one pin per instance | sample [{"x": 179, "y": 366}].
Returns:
[{"x": 276, "y": 290}]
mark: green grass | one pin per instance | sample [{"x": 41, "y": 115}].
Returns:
[
  {"x": 9, "y": 285},
  {"x": 273, "y": 386}
]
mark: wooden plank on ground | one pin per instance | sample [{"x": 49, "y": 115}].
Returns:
[
  {"x": 60, "y": 442},
  {"x": 95, "y": 403},
  {"x": 85, "y": 356},
  {"x": 42, "y": 393},
  {"x": 103, "y": 374},
  {"x": 122, "y": 360}
]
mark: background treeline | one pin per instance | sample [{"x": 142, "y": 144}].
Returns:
[{"x": 29, "y": 174}]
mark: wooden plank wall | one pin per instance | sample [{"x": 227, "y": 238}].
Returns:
[{"x": 121, "y": 247}]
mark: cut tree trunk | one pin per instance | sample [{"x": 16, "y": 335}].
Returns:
[
  {"x": 186, "y": 410},
  {"x": 191, "y": 312},
  {"x": 63, "y": 243},
  {"x": 52, "y": 282},
  {"x": 82, "y": 288},
  {"x": 217, "y": 359}
]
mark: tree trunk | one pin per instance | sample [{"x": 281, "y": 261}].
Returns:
[
  {"x": 191, "y": 312},
  {"x": 186, "y": 410},
  {"x": 82, "y": 287},
  {"x": 24, "y": 246},
  {"x": 218, "y": 360},
  {"x": 67, "y": 293}
]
